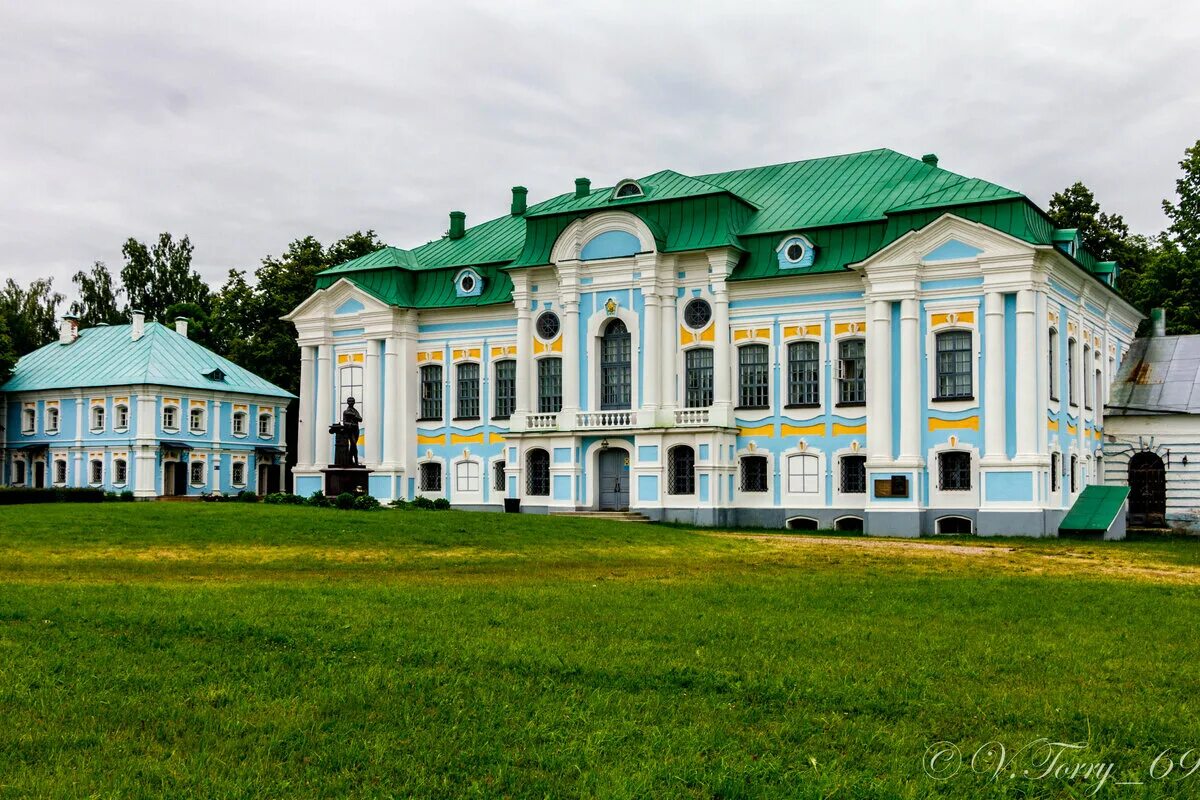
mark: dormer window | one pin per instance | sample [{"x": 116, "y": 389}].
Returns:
[
  {"x": 796, "y": 251},
  {"x": 468, "y": 283},
  {"x": 215, "y": 375},
  {"x": 628, "y": 188}
]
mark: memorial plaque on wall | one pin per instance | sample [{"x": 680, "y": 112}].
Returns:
[{"x": 895, "y": 486}]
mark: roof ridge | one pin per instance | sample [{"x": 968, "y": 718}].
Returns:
[{"x": 807, "y": 161}]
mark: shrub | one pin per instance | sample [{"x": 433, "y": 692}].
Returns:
[
  {"x": 247, "y": 496},
  {"x": 22, "y": 495},
  {"x": 401, "y": 504},
  {"x": 344, "y": 501},
  {"x": 422, "y": 502},
  {"x": 213, "y": 497},
  {"x": 318, "y": 500},
  {"x": 283, "y": 499},
  {"x": 127, "y": 496},
  {"x": 366, "y": 502},
  {"x": 441, "y": 504}
]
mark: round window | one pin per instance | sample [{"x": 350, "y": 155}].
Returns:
[
  {"x": 697, "y": 313},
  {"x": 547, "y": 325},
  {"x": 467, "y": 283},
  {"x": 794, "y": 252}
]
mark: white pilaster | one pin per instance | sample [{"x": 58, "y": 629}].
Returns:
[
  {"x": 525, "y": 387},
  {"x": 305, "y": 428},
  {"x": 652, "y": 377},
  {"x": 911, "y": 396},
  {"x": 372, "y": 419},
  {"x": 879, "y": 383},
  {"x": 324, "y": 417},
  {"x": 391, "y": 402},
  {"x": 571, "y": 357},
  {"x": 668, "y": 350},
  {"x": 1025, "y": 379},
  {"x": 994, "y": 379}
]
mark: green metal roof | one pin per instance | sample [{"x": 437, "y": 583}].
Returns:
[
  {"x": 849, "y": 206},
  {"x": 1095, "y": 509},
  {"x": 108, "y": 356}
]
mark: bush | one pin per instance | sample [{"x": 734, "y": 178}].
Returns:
[
  {"x": 365, "y": 502},
  {"x": 22, "y": 496},
  {"x": 441, "y": 504},
  {"x": 284, "y": 499},
  {"x": 213, "y": 497},
  {"x": 401, "y": 504},
  {"x": 318, "y": 500},
  {"x": 423, "y": 503},
  {"x": 344, "y": 501},
  {"x": 247, "y": 496},
  {"x": 127, "y": 496}
]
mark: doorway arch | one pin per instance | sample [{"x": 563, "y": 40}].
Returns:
[{"x": 1147, "y": 490}]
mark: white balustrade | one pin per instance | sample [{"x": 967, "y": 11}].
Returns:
[
  {"x": 541, "y": 422},
  {"x": 604, "y": 419},
  {"x": 691, "y": 416}
]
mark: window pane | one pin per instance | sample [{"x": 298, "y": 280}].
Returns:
[
  {"x": 803, "y": 477},
  {"x": 954, "y": 470},
  {"x": 804, "y": 374},
  {"x": 681, "y": 470},
  {"x": 431, "y": 392},
  {"x": 549, "y": 385},
  {"x": 754, "y": 474},
  {"x": 954, "y": 365},
  {"x": 852, "y": 364},
  {"x": 468, "y": 391},
  {"x": 754, "y": 376},
  {"x": 698, "y": 392},
  {"x": 615, "y": 366},
  {"x": 854, "y": 474},
  {"x": 537, "y": 478},
  {"x": 506, "y": 388}
]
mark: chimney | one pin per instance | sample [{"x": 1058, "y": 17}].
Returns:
[
  {"x": 458, "y": 224},
  {"x": 930, "y": 159},
  {"x": 181, "y": 324},
  {"x": 138, "y": 326},
  {"x": 583, "y": 187},
  {"x": 518, "y": 203},
  {"x": 1158, "y": 322},
  {"x": 68, "y": 329}
]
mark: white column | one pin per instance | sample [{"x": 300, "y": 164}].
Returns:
[
  {"x": 324, "y": 417},
  {"x": 305, "y": 428},
  {"x": 911, "y": 396},
  {"x": 571, "y": 358},
  {"x": 722, "y": 361},
  {"x": 651, "y": 372},
  {"x": 668, "y": 350},
  {"x": 1027, "y": 399},
  {"x": 372, "y": 419},
  {"x": 146, "y": 470},
  {"x": 410, "y": 386},
  {"x": 994, "y": 380},
  {"x": 391, "y": 401},
  {"x": 879, "y": 382},
  {"x": 525, "y": 387}
]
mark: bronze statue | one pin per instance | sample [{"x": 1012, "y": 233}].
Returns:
[{"x": 346, "y": 444}]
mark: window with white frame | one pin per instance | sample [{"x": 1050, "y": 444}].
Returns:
[
  {"x": 754, "y": 376},
  {"x": 121, "y": 417},
  {"x": 1074, "y": 474},
  {"x": 431, "y": 392},
  {"x": 954, "y": 471},
  {"x": 804, "y": 374},
  {"x": 60, "y": 471},
  {"x": 429, "y": 476},
  {"x": 120, "y": 472},
  {"x": 852, "y": 372},
  {"x": 350, "y": 384},
  {"x": 498, "y": 479},
  {"x": 681, "y": 470},
  {"x": 1099, "y": 395},
  {"x": 854, "y": 474},
  {"x": 537, "y": 473},
  {"x": 196, "y": 419},
  {"x": 1072, "y": 382},
  {"x": 506, "y": 389},
  {"x": 52, "y": 419},
  {"x": 97, "y": 419},
  {"x": 237, "y": 473},
  {"x": 803, "y": 474},
  {"x": 549, "y": 385},
  {"x": 266, "y": 424},
  {"x": 239, "y": 423},
  {"x": 170, "y": 418},
  {"x": 953, "y": 365},
  {"x": 1052, "y": 355},
  {"x": 468, "y": 391},
  {"x": 1055, "y": 471},
  {"x": 196, "y": 472},
  {"x": 29, "y": 420},
  {"x": 466, "y": 476},
  {"x": 1087, "y": 384},
  {"x": 698, "y": 377},
  {"x": 18, "y": 472},
  {"x": 753, "y": 474},
  {"x": 95, "y": 471}
]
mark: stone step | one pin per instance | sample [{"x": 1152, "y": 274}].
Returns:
[{"x": 616, "y": 516}]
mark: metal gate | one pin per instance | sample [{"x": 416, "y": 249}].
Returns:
[{"x": 1147, "y": 490}]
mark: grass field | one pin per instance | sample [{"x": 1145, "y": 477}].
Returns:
[{"x": 183, "y": 650}]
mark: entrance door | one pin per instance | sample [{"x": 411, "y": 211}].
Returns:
[
  {"x": 614, "y": 480},
  {"x": 1147, "y": 490},
  {"x": 39, "y": 474}
]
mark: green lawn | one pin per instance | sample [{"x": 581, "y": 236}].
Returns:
[{"x": 196, "y": 650}]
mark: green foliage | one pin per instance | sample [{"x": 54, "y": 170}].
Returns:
[
  {"x": 98, "y": 297},
  {"x": 344, "y": 501},
  {"x": 19, "y": 495},
  {"x": 158, "y": 277},
  {"x": 8, "y": 355},
  {"x": 1184, "y": 214},
  {"x": 422, "y": 503},
  {"x": 401, "y": 504},
  {"x": 247, "y": 496},
  {"x": 265, "y": 651},
  {"x": 283, "y": 499},
  {"x": 366, "y": 502},
  {"x": 441, "y": 504},
  {"x": 318, "y": 500},
  {"x": 30, "y": 315}
]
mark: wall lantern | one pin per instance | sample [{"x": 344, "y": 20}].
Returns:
[{"x": 604, "y": 444}]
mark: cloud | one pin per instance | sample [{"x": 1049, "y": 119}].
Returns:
[{"x": 246, "y": 125}]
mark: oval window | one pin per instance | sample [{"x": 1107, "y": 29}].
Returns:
[
  {"x": 547, "y": 325},
  {"x": 697, "y": 313},
  {"x": 467, "y": 283},
  {"x": 794, "y": 252}
]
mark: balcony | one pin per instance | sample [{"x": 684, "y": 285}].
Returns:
[
  {"x": 590, "y": 420},
  {"x": 691, "y": 416},
  {"x": 541, "y": 422}
]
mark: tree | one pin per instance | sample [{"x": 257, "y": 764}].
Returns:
[
  {"x": 1185, "y": 214},
  {"x": 97, "y": 303},
  {"x": 158, "y": 277},
  {"x": 30, "y": 315},
  {"x": 8, "y": 356},
  {"x": 1106, "y": 236}
]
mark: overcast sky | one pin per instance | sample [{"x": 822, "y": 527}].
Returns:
[{"x": 248, "y": 124}]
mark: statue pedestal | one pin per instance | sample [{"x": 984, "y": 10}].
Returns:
[{"x": 346, "y": 479}]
